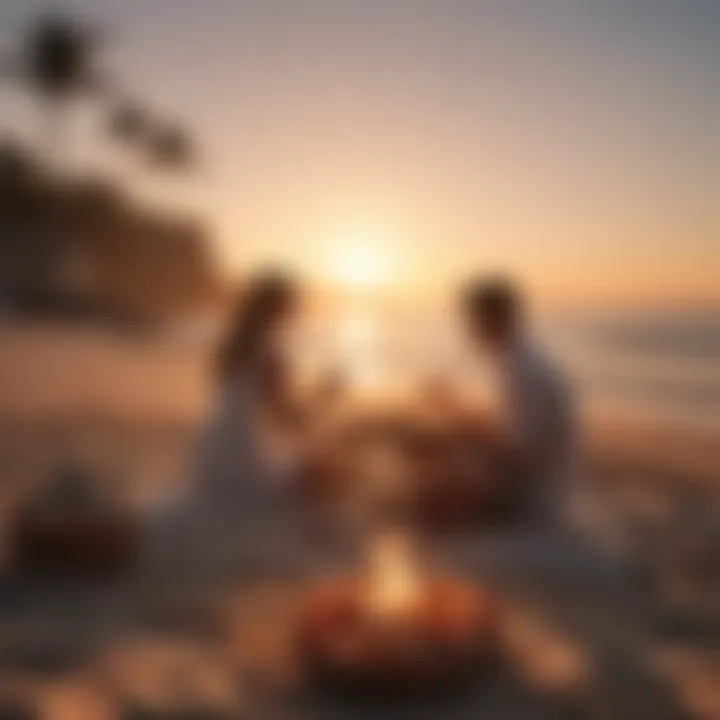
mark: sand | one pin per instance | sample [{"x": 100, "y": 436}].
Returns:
[{"x": 587, "y": 631}]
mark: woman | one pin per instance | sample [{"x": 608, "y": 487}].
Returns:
[
  {"x": 238, "y": 465},
  {"x": 235, "y": 509}
]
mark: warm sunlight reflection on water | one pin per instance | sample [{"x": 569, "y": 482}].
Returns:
[{"x": 358, "y": 339}]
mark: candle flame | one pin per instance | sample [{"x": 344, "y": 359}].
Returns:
[{"x": 394, "y": 577}]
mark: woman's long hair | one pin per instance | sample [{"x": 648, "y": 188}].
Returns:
[{"x": 268, "y": 300}]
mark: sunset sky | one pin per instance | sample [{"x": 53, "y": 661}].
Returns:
[{"x": 574, "y": 142}]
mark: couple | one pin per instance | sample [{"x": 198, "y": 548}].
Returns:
[{"x": 239, "y": 470}]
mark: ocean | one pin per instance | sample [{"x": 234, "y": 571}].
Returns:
[{"x": 658, "y": 367}]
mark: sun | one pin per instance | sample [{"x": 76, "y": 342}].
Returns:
[{"x": 359, "y": 261}]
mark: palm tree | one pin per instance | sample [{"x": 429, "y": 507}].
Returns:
[
  {"x": 58, "y": 63},
  {"x": 129, "y": 123},
  {"x": 170, "y": 148}
]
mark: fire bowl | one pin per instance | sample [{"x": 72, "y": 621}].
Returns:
[{"x": 448, "y": 638}]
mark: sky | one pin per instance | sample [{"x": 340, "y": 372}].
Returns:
[{"x": 574, "y": 143}]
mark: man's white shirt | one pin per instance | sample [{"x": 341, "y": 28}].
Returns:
[{"x": 536, "y": 415}]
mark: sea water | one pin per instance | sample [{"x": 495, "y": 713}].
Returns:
[{"x": 661, "y": 366}]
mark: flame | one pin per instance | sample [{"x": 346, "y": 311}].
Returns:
[{"x": 394, "y": 578}]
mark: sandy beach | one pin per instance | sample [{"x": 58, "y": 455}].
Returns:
[{"x": 585, "y": 632}]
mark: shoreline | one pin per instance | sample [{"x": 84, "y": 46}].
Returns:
[
  {"x": 60, "y": 379},
  {"x": 609, "y": 446}
]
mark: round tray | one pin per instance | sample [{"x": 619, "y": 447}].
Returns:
[{"x": 450, "y": 638}]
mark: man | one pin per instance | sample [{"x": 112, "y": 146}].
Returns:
[{"x": 533, "y": 426}]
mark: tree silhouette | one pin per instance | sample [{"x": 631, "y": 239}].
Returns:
[
  {"x": 58, "y": 63},
  {"x": 170, "y": 148},
  {"x": 82, "y": 240},
  {"x": 59, "y": 56},
  {"x": 129, "y": 124}
]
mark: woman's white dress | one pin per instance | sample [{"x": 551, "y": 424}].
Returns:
[
  {"x": 236, "y": 506},
  {"x": 232, "y": 471}
]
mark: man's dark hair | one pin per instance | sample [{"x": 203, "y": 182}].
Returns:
[{"x": 494, "y": 300}]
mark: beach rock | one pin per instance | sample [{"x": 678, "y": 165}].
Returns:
[{"x": 73, "y": 525}]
